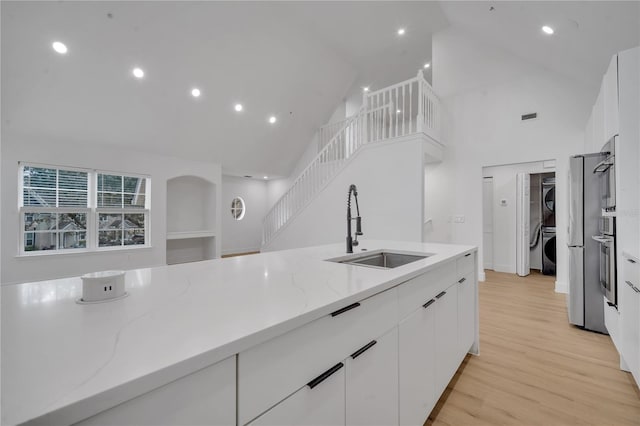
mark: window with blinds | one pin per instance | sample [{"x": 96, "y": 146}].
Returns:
[
  {"x": 65, "y": 209},
  {"x": 122, "y": 215}
]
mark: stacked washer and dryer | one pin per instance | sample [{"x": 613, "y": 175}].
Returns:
[{"x": 548, "y": 201}]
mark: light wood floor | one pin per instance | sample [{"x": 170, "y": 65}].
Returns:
[{"x": 534, "y": 368}]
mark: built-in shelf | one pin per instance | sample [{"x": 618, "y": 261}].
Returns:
[
  {"x": 191, "y": 220},
  {"x": 184, "y": 235}
]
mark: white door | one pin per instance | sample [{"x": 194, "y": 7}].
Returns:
[
  {"x": 372, "y": 382},
  {"x": 487, "y": 222},
  {"x": 324, "y": 404},
  {"x": 523, "y": 206},
  {"x": 417, "y": 365}
]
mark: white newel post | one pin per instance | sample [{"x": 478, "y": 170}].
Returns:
[{"x": 420, "y": 118}]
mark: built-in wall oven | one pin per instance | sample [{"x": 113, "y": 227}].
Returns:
[{"x": 607, "y": 256}]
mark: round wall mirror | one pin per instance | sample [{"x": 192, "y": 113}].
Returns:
[{"x": 237, "y": 208}]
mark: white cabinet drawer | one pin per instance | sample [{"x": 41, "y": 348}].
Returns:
[
  {"x": 271, "y": 371},
  {"x": 324, "y": 404},
  {"x": 419, "y": 290},
  {"x": 465, "y": 265}
]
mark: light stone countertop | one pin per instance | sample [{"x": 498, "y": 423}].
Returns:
[{"x": 63, "y": 362}]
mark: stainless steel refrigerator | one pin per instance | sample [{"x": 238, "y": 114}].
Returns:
[{"x": 585, "y": 302}]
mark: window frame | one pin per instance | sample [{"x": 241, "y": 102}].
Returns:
[{"x": 91, "y": 210}]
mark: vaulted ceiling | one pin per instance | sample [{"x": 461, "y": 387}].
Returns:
[
  {"x": 587, "y": 33},
  {"x": 295, "y": 61}
]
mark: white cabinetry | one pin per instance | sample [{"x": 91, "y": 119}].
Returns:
[
  {"x": 466, "y": 312},
  {"x": 446, "y": 343},
  {"x": 271, "y": 371},
  {"x": 322, "y": 404},
  {"x": 604, "y": 122},
  {"x": 417, "y": 359},
  {"x": 629, "y": 307},
  {"x": 610, "y": 94},
  {"x": 435, "y": 336},
  {"x": 372, "y": 382},
  {"x": 204, "y": 397},
  {"x": 598, "y": 121},
  {"x": 384, "y": 360},
  {"x": 589, "y": 144}
]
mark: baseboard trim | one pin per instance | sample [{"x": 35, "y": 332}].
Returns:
[
  {"x": 482, "y": 276},
  {"x": 240, "y": 252},
  {"x": 561, "y": 287}
]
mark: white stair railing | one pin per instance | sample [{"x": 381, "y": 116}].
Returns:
[
  {"x": 399, "y": 110},
  {"x": 328, "y": 131}
]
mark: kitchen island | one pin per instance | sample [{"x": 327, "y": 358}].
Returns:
[{"x": 273, "y": 338}]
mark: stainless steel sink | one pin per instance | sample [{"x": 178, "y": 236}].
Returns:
[{"x": 381, "y": 259}]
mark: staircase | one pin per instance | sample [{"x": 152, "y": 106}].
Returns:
[{"x": 400, "y": 110}]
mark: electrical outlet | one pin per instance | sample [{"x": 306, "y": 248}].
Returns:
[
  {"x": 458, "y": 219},
  {"x": 102, "y": 286}
]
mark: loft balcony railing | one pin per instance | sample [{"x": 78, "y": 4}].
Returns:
[{"x": 402, "y": 109}]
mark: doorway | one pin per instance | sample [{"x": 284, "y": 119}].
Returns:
[
  {"x": 518, "y": 222},
  {"x": 543, "y": 223}
]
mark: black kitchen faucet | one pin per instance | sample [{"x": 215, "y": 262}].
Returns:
[{"x": 353, "y": 242}]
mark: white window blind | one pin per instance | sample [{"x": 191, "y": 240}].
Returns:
[{"x": 67, "y": 209}]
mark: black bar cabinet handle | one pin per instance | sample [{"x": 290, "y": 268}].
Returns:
[
  {"x": 429, "y": 303},
  {"x": 324, "y": 376},
  {"x": 611, "y": 304},
  {"x": 461, "y": 280},
  {"x": 467, "y": 255},
  {"x": 439, "y": 295},
  {"x": 363, "y": 349},
  {"x": 345, "y": 309},
  {"x": 631, "y": 260},
  {"x": 629, "y": 283}
]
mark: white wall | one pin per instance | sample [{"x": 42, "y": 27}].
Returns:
[
  {"x": 484, "y": 91},
  {"x": 389, "y": 177},
  {"x": 242, "y": 236},
  {"x": 504, "y": 217},
  {"x": 56, "y": 152}
]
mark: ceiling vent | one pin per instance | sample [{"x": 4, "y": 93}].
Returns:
[{"x": 529, "y": 116}]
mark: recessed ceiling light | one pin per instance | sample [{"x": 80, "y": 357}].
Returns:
[
  {"x": 365, "y": 89},
  {"x": 265, "y": 177},
  {"x": 238, "y": 107},
  {"x": 401, "y": 31},
  {"x": 547, "y": 29},
  {"x": 398, "y": 111},
  {"x": 195, "y": 92},
  {"x": 138, "y": 73},
  {"x": 427, "y": 65},
  {"x": 59, "y": 47},
  {"x": 272, "y": 119}
]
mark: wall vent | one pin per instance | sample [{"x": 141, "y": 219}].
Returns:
[{"x": 529, "y": 116}]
